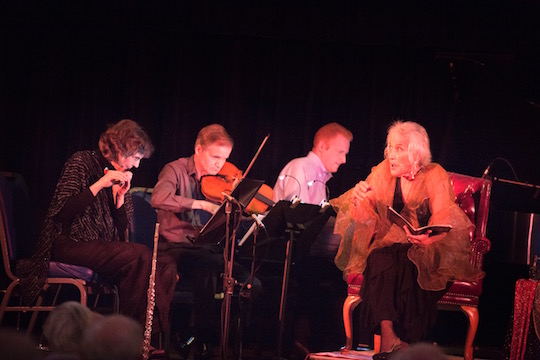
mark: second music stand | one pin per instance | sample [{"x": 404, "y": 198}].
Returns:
[{"x": 301, "y": 223}]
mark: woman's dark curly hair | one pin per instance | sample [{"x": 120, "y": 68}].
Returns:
[{"x": 125, "y": 138}]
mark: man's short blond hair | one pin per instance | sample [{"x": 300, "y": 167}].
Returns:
[
  {"x": 330, "y": 131},
  {"x": 214, "y": 134}
]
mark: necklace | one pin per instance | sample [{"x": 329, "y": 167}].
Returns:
[{"x": 406, "y": 185}]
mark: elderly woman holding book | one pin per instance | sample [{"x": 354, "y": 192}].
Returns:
[{"x": 405, "y": 273}]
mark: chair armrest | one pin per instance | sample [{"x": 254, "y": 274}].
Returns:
[{"x": 479, "y": 247}]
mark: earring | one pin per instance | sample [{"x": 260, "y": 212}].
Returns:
[{"x": 414, "y": 170}]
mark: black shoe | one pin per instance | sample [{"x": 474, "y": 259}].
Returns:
[
  {"x": 192, "y": 345},
  {"x": 203, "y": 351},
  {"x": 382, "y": 356},
  {"x": 183, "y": 346},
  {"x": 390, "y": 354}
]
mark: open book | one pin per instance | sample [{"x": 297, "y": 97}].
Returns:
[{"x": 399, "y": 220}]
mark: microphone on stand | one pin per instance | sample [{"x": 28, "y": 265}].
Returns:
[
  {"x": 231, "y": 199},
  {"x": 284, "y": 176},
  {"x": 486, "y": 175},
  {"x": 327, "y": 191}
]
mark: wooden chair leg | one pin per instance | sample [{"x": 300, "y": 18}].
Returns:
[
  {"x": 350, "y": 303},
  {"x": 472, "y": 315},
  {"x": 376, "y": 343}
]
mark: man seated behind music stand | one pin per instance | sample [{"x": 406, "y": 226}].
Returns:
[
  {"x": 306, "y": 178},
  {"x": 182, "y": 211}
]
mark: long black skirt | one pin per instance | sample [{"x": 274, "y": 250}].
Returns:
[{"x": 390, "y": 291}]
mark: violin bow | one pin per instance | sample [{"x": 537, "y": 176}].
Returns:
[{"x": 256, "y": 155}]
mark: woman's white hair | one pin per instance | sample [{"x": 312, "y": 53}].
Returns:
[{"x": 418, "y": 149}]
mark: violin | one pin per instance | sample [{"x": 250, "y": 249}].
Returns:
[{"x": 213, "y": 187}]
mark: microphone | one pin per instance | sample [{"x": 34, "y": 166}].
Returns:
[
  {"x": 282, "y": 178},
  {"x": 231, "y": 199},
  {"x": 327, "y": 191},
  {"x": 486, "y": 172}
]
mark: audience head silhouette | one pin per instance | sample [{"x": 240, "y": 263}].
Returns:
[
  {"x": 115, "y": 337},
  {"x": 65, "y": 327}
]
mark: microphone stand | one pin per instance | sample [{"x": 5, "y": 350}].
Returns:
[
  {"x": 293, "y": 231},
  {"x": 528, "y": 185},
  {"x": 228, "y": 280}
]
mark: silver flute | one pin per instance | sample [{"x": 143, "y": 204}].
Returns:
[{"x": 151, "y": 302}]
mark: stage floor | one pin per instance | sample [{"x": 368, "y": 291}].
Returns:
[
  {"x": 357, "y": 355},
  {"x": 360, "y": 355}
]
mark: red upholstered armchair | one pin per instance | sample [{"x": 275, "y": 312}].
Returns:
[{"x": 472, "y": 195}]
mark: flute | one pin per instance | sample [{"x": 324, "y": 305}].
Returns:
[{"x": 151, "y": 299}]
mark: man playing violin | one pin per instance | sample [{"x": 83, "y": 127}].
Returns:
[
  {"x": 182, "y": 211},
  {"x": 182, "y": 207}
]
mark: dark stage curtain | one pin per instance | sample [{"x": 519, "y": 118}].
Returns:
[{"x": 266, "y": 67}]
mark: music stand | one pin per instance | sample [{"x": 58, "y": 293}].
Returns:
[
  {"x": 302, "y": 222},
  {"x": 518, "y": 197},
  {"x": 213, "y": 232}
]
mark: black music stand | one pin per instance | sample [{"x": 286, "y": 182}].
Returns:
[
  {"x": 213, "y": 232},
  {"x": 518, "y": 197},
  {"x": 302, "y": 223},
  {"x": 218, "y": 228}
]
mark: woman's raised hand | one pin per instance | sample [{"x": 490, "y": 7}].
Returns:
[
  {"x": 121, "y": 187},
  {"x": 120, "y": 182},
  {"x": 114, "y": 177},
  {"x": 363, "y": 191}
]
